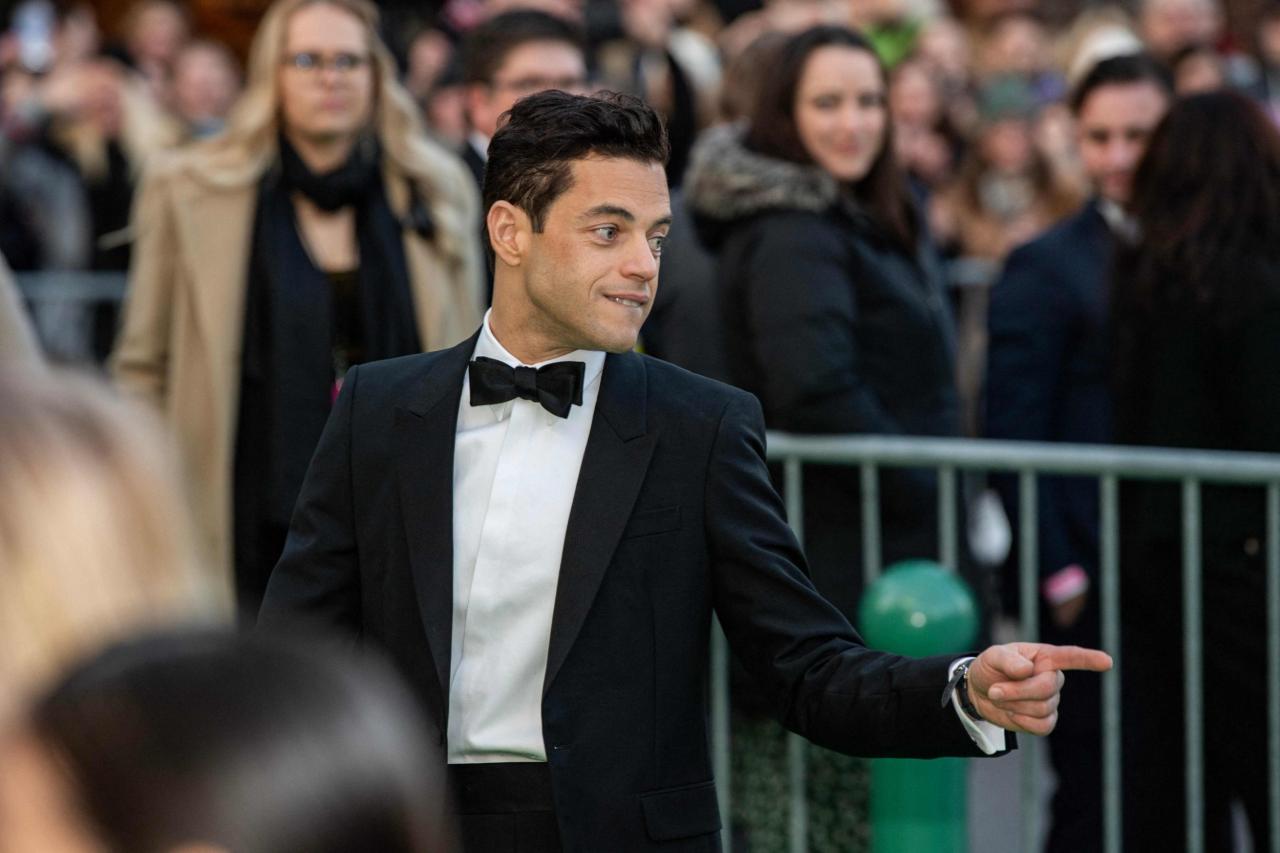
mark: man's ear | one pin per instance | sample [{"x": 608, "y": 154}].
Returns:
[{"x": 509, "y": 230}]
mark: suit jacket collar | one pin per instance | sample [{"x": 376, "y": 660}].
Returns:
[
  {"x": 614, "y": 464},
  {"x": 613, "y": 469},
  {"x": 425, "y": 427}
]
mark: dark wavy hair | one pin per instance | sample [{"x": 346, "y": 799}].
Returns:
[
  {"x": 772, "y": 130},
  {"x": 531, "y": 155},
  {"x": 1206, "y": 197},
  {"x": 257, "y": 743}
]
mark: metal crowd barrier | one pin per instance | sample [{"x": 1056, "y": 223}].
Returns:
[
  {"x": 1028, "y": 460},
  {"x": 62, "y": 304}
]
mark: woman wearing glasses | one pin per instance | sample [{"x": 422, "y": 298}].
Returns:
[{"x": 320, "y": 230}]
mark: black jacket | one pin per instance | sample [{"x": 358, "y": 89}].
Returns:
[
  {"x": 1200, "y": 375},
  {"x": 836, "y": 329},
  {"x": 1049, "y": 371},
  {"x": 673, "y": 518}
]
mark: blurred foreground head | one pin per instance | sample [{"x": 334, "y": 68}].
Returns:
[
  {"x": 94, "y": 538},
  {"x": 207, "y": 741}
]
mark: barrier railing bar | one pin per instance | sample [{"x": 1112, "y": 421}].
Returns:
[
  {"x": 798, "y": 825},
  {"x": 948, "y": 538},
  {"x": 870, "y": 524},
  {"x": 798, "y": 814},
  {"x": 71, "y": 286},
  {"x": 721, "y": 744},
  {"x": 1193, "y": 665},
  {"x": 1273, "y": 645},
  {"x": 1029, "y": 565},
  {"x": 1093, "y": 460},
  {"x": 1109, "y": 574}
]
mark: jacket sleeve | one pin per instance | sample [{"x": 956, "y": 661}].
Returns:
[
  {"x": 823, "y": 681},
  {"x": 140, "y": 361},
  {"x": 317, "y": 580},
  {"x": 1029, "y": 322},
  {"x": 801, "y": 310}
]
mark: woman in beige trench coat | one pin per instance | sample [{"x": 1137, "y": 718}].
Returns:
[{"x": 183, "y": 334}]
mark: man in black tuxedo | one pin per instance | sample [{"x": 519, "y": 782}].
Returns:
[
  {"x": 538, "y": 524},
  {"x": 1049, "y": 379}
]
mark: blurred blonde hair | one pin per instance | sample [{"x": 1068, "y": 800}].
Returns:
[
  {"x": 248, "y": 147},
  {"x": 94, "y": 537},
  {"x": 146, "y": 130}
]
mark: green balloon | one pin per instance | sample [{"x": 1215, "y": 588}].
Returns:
[{"x": 919, "y": 608}]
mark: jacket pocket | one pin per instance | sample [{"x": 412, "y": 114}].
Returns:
[
  {"x": 651, "y": 520},
  {"x": 681, "y": 812}
]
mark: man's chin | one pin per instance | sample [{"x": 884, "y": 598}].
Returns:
[{"x": 617, "y": 343}]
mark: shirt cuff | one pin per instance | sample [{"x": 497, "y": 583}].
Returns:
[{"x": 988, "y": 736}]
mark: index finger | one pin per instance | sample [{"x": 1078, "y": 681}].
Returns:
[{"x": 1073, "y": 657}]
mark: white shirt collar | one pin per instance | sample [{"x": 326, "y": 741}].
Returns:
[
  {"x": 1118, "y": 220},
  {"x": 487, "y": 345},
  {"x": 479, "y": 143}
]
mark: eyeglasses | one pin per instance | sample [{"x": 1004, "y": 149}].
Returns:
[
  {"x": 530, "y": 85},
  {"x": 313, "y": 63}
]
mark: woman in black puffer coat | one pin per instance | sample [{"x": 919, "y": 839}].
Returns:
[{"x": 834, "y": 304}]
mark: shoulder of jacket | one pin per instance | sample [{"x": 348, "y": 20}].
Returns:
[{"x": 693, "y": 393}]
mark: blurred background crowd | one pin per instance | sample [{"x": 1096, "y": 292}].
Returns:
[{"x": 1049, "y": 220}]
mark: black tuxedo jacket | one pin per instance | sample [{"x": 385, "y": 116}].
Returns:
[
  {"x": 674, "y": 517},
  {"x": 1049, "y": 372}
]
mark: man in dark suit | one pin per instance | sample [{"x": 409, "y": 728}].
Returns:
[
  {"x": 508, "y": 57},
  {"x": 1049, "y": 379},
  {"x": 537, "y": 526}
]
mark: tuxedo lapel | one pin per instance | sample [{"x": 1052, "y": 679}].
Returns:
[
  {"x": 425, "y": 429},
  {"x": 613, "y": 468}
]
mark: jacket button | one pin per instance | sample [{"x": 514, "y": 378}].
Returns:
[{"x": 1252, "y": 546}]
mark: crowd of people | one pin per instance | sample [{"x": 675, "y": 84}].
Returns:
[{"x": 324, "y": 203}]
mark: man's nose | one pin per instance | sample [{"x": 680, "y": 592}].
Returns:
[
  {"x": 640, "y": 264},
  {"x": 1122, "y": 154}
]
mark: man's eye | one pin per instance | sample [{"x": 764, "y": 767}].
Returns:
[
  {"x": 655, "y": 243},
  {"x": 607, "y": 232}
]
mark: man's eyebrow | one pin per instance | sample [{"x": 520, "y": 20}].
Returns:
[
  {"x": 609, "y": 210},
  {"x": 621, "y": 213}
]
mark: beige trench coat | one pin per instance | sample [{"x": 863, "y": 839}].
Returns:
[{"x": 183, "y": 326}]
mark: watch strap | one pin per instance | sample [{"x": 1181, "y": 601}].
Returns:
[{"x": 957, "y": 689}]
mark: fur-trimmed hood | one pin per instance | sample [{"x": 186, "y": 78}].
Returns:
[{"x": 726, "y": 182}]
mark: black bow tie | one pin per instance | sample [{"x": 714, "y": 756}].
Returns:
[{"x": 557, "y": 386}]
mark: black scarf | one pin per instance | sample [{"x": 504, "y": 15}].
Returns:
[
  {"x": 287, "y": 362},
  {"x": 348, "y": 185}
]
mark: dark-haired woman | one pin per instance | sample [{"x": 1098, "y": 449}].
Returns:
[
  {"x": 1197, "y": 309},
  {"x": 205, "y": 742},
  {"x": 835, "y": 317},
  {"x": 833, "y": 300}
]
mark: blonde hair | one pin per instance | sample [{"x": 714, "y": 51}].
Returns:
[
  {"x": 146, "y": 130},
  {"x": 242, "y": 153},
  {"x": 94, "y": 537}
]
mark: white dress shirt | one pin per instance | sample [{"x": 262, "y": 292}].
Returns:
[
  {"x": 480, "y": 144},
  {"x": 515, "y": 471}
]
